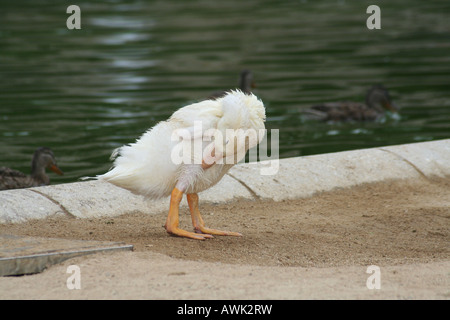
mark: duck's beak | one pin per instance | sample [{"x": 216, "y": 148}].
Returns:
[
  {"x": 391, "y": 107},
  {"x": 56, "y": 170}
]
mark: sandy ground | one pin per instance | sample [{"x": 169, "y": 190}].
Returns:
[{"x": 313, "y": 248}]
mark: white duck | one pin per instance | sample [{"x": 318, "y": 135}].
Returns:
[{"x": 151, "y": 166}]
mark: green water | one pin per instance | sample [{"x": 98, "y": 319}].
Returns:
[{"x": 85, "y": 92}]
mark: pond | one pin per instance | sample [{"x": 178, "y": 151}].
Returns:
[{"x": 133, "y": 63}]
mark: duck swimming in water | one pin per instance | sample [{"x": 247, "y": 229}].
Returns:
[
  {"x": 150, "y": 166},
  {"x": 43, "y": 158},
  {"x": 377, "y": 103}
]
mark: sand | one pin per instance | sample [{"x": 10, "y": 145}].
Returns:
[{"x": 313, "y": 248}]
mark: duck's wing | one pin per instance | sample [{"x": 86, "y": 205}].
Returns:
[
  {"x": 196, "y": 119},
  {"x": 13, "y": 179}
]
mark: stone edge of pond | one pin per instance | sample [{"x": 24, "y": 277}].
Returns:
[{"x": 277, "y": 180}]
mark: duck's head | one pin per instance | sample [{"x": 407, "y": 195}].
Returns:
[
  {"x": 378, "y": 98},
  {"x": 44, "y": 158},
  {"x": 246, "y": 83},
  {"x": 242, "y": 123}
]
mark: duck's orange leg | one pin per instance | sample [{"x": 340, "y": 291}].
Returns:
[
  {"x": 197, "y": 221},
  {"x": 173, "y": 219}
]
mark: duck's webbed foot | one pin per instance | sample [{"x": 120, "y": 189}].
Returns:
[{"x": 199, "y": 224}]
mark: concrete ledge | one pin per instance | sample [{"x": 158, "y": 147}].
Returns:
[
  {"x": 429, "y": 158},
  {"x": 296, "y": 177},
  {"x": 21, "y": 205},
  {"x": 304, "y": 176},
  {"x": 91, "y": 199}
]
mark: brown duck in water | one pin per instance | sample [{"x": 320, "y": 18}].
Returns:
[
  {"x": 246, "y": 85},
  {"x": 377, "y": 103},
  {"x": 43, "y": 158}
]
